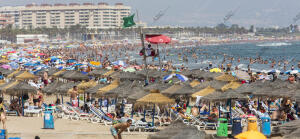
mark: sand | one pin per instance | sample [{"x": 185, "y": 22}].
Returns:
[{"x": 29, "y": 127}]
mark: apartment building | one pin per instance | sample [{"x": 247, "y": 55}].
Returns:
[
  {"x": 6, "y": 20},
  {"x": 91, "y": 15},
  {"x": 13, "y": 13}
]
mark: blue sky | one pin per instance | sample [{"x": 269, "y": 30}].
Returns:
[{"x": 201, "y": 12}]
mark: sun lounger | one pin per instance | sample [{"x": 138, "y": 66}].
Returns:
[
  {"x": 33, "y": 110},
  {"x": 100, "y": 115},
  {"x": 77, "y": 114},
  {"x": 10, "y": 112}
]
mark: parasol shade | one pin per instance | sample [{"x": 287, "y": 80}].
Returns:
[{"x": 158, "y": 38}]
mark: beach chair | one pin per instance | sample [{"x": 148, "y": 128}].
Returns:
[
  {"x": 100, "y": 115},
  {"x": 31, "y": 110},
  {"x": 77, "y": 115},
  {"x": 66, "y": 113},
  {"x": 10, "y": 112}
]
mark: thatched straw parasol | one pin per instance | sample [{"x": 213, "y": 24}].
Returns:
[
  {"x": 98, "y": 72},
  {"x": 179, "y": 130},
  {"x": 290, "y": 130},
  {"x": 108, "y": 73},
  {"x": 64, "y": 88},
  {"x": 231, "y": 85},
  {"x": 172, "y": 89},
  {"x": 75, "y": 75},
  {"x": 59, "y": 73},
  {"x": 13, "y": 73},
  {"x": 94, "y": 90},
  {"x": 25, "y": 76},
  {"x": 153, "y": 73},
  {"x": 6, "y": 72},
  {"x": 20, "y": 87},
  {"x": 204, "y": 92},
  {"x": 194, "y": 83},
  {"x": 130, "y": 76},
  {"x": 109, "y": 87},
  {"x": 137, "y": 93},
  {"x": 155, "y": 97},
  {"x": 52, "y": 88},
  {"x": 226, "y": 77},
  {"x": 123, "y": 89}
]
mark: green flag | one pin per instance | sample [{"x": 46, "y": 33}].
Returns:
[{"x": 128, "y": 21}]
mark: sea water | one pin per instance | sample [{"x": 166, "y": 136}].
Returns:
[{"x": 289, "y": 51}]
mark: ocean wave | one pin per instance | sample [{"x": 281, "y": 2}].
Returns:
[{"x": 275, "y": 44}]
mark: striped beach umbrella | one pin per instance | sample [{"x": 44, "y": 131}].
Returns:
[{"x": 242, "y": 75}]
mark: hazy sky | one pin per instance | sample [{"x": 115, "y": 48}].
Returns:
[{"x": 201, "y": 12}]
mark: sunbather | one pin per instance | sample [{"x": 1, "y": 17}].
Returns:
[{"x": 117, "y": 129}]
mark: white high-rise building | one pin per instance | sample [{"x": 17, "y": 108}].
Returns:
[{"x": 101, "y": 15}]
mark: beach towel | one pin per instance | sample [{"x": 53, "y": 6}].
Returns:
[{"x": 198, "y": 100}]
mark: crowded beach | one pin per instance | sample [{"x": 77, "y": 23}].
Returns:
[{"x": 89, "y": 84}]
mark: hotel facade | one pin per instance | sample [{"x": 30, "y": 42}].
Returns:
[{"x": 90, "y": 15}]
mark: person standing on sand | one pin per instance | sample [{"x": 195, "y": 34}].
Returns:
[
  {"x": 74, "y": 94},
  {"x": 2, "y": 113},
  {"x": 117, "y": 129}
]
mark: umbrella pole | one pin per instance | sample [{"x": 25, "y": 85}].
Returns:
[
  {"x": 230, "y": 111},
  {"x": 208, "y": 107},
  {"x": 145, "y": 57},
  {"x": 258, "y": 107},
  {"x": 144, "y": 113},
  {"x": 22, "y": 105},
  {"x": 132, "y": 111},
  {"x": 159, "y": 62},
  {"x": 219, "y": 109},
  {"x": 62, "y": 99},
  {"x": 107, "y": 105},
  {"x": 122, "y": 106},
  {"x": 153, "y": 115},
  {"x": 84, "y": 98},
  {"x": 78, "y": 100}
]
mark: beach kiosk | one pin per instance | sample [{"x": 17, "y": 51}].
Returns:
[
  {"x": 266, "y": 126},
  {"x": 48, "y": 120}
]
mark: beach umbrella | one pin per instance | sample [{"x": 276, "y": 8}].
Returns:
[
  {"x": 157, "y": 38},
  {"x": 6, "y": 66},
  {"x": 179, "y": 130},
  {"x": 274, "y": 71},
  {"x": 252, "y": 134},
  {"x": 215, "y": 70},
  {"x": 97, "y": 72},
  {"x": 41, "y": 54},
  {"x": 226, "y": 77},
  {"x": 107, "y": 88},
  {"x": 25, "y": 75},
  {"x": 194, "y": 83},
  {"x": 129, "y": 70},
  {"x": 94, "y": 90},
  {"x": 231, "y": 85},
  {"x": 242, "y": 75},
  {"x": 172, "y": 89},
  {"x": 52, "y": 88},
  {"x": 155, "y": 97},
  {"x": 95, "y": 63},
  {"x": 119, "y": 63},
  {"x": 204, "y": 92},
  {"x": 4, "y": 61},
  {"x": 76, "y": 75},
  {"x": 179, "y": 76}
]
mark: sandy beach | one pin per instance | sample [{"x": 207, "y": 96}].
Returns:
[{"x": 29, "y": 127}]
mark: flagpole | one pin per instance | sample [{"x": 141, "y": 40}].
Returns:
[{"x": 144, "y": 48}]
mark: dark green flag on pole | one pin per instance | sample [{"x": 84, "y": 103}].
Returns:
[{"x": 128, "y": 21}]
